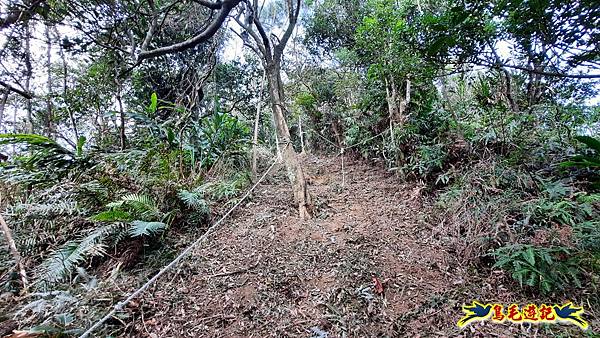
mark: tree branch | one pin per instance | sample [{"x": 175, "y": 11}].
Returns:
[
  {"x": 293, "y": 17},
  {"x": 209, "y": 32},
  {"x": 256, "y": 51},
  {"x": 20, "y": 15},
  {"x": 262, "y": 33},
  {"x": 252, "y": 33},
  {"x": 14, "y": 251},
  {"x": 209, "y": 4},
  {"x": 23, "y": 93},
  {"x": 541, "y": 72},
  {"x": 152, "y": 28}
]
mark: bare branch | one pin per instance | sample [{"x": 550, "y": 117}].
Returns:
[
  {"x": 210, "y": 4},
  {"x": 263, "y": 35},
  {"x": 14, "y": 251},
  {"x": 256, "y": 51},
  {"x": 540, "y": 72},
  {"x": 152, "y": 28},
  {"x": 252, "y": 33},
  {"x": 209, "y": 32},
  {"x": 293, "y": 18},
  {"x": 14, "y": 89},
  {"x": 20, "y": 15}
]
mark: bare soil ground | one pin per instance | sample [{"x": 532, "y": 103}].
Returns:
[{"x": 369, "y": 264}]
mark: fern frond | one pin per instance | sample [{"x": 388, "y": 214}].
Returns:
[
  {"x": 141, "y": 228},
  {"x": 140, "y": 204},
  {"x": 39, "y": 210},
  {"x": 194, "y": 200},
  {"x": 112, "y": 216},
  {"x": 142, "y": 200},
  {"x": 66, "y": 259}
]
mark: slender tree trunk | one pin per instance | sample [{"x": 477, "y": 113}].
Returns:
[
  {"x": 3, "y": 101},
  {"x": 255, "y": 140},
  {"x": 256, "y": 127},
  {"x": 28, "y": 75},
  {"x": 293, "y": 167},
  {"x": 272, "y": 52},
  {"x": 121, "y": 117},
  {"x": 49, "y": 108},
  {"x": 277, "y": 147},
  {"x": 13, "y": 249},
  {"x": 300, "y": 133},
  {"x": 65, "y": 70},
  {"x": 397, "y": 110}
]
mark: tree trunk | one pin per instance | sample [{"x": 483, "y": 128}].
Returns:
[
  {"x": 255, "y": 141},
  {"x": 14, "y": 251},
  {"x": 65, "y": 74},
  {"x": 49, "y": 110},
  {"x": 28, "y": 74},
  {"x": 300, "y": 133},
  {"x": 397, "y": 107},
  {"x": 290, "y": 158},
  {"x": 3, "y": 101},
  {"x": 122, "y": 137},
  {"x": 256, "y": 127}
]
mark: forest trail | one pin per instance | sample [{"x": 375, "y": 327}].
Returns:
[{"x": 267, "y": 273}]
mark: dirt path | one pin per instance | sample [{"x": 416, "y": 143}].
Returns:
[
  {"x": 370, "y": 264},
  {"x": 266, "y": 273}
]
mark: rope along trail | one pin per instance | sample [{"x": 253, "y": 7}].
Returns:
[{"x": 119, "y": 306}]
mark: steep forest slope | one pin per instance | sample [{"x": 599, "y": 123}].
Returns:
[
  {"x": 373, "y": 262},
  {"x": 431, "y": 153}
]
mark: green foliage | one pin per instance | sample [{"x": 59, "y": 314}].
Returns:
[
  {"x": 221, "y": 135},
  {"x": 139, "y": 205},
  {"x": 195, "y": 201},
  {"x": 153, "y": 104},
  {"x": 112, "y": 216},
  {"x": 142, "y": 228},
  {"x": 427, "y": 160},
  {"x": 591, "y": 160},
  {"x": 48, "y": 160},
  {"x": 64, "y": 260},
  {"x": 228, "y": 188},
  {"x": 548, "y": 269}
]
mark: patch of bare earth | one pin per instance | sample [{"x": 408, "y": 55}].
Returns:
[{"x": 267, "y": 273}]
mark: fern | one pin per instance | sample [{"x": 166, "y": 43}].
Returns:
[
  {"x": 142, "y": 228},
  {"x": 112, "y": 216},
  {"x": 46, "y": 154},
  {"x": 141, "y": 205},
  {"x": 195, "y": 201},
  {"x": 39, "y": 210},
  {"x": 66, "y": 259}
]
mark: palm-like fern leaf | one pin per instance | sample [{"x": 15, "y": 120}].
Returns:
[
  {"x": 67, "y": 258},
  {"x": 194, "y": 200},
  {"x": 141, "y": 228},
  {"x": 112, "y": 216},
  {"x": 140, "y": 203}
]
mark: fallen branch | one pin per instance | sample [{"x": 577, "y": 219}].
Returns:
[
  {"x": 223, "y": 274},
  {"x": 14, "y": 251}
]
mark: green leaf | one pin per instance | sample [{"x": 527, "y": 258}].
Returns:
[
  {"x": 112, "y": 216},
  {"x": 80, "y": 142},
  {"x": 529, "y": 256},
  {"x": 142, "y": 228},
  {"x": 170, "y": 136},
  {"x": 153, "y": 103},
  {"x": 591, "y": 142}
]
